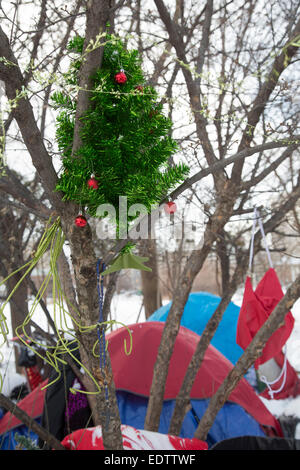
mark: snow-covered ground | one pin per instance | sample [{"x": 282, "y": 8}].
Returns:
[{"x": 127, "y": 309}]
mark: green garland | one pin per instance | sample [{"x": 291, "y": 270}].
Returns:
[
  {"x": 125, "y": 136},
  {"x": 25, "y": 443}
]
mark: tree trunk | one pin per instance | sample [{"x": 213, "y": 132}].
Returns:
[
  {"x": 18, "y": 310},
  {"x": 81, "y": 244},
  {"x": 172, "y": 324},
  {"x": 150, "y": 280},
  {"x": 84, "y": 263}
]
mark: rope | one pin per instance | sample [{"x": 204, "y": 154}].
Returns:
[
  {"x": 257, "y": 217},
  {"x": 282, "y": 373}
]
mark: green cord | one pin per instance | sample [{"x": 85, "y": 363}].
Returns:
[{"x": 53, "y": 240}]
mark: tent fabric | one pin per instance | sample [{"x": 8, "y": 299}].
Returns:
[
  {"x": 257, "y": 306},
  {"x": 32, "y": 404},
  {"x": 133, "y": 377},
  {"x": 257, "y": 443},
  {"x": 198, "y": 310},
  {"x": 291, "y": 386},
  {"x": 146, "y": 337},
  {"x": 231, "y": 421},
  {"x": 8, "y": 441},
  {"x": 133, "y": 439}
]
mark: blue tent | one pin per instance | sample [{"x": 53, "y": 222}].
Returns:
[
  {"x": 231, "y": 421},
  {"x": 198, "y": 310}
]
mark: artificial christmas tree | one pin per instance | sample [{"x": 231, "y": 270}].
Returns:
[{"x": 125, "y": 135}]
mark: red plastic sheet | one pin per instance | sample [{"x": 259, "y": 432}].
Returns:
[
  {"x": 133, "y": 439},
  {"x": 256, "y": 308}
]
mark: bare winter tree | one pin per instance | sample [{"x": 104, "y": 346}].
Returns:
[
  {"x": 227, "y": 74},
  {"x": 241, "y": 128}
]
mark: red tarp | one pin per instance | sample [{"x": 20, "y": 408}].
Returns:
[
  {"x": 257, "y": 306},
  {"x": 133, "y": 439},
  {"x": 32, "y": 404},
  {"x": 129, "y": 369},
  {"x": 133, "y": 372},
  {"x": 291, "y": 385}
]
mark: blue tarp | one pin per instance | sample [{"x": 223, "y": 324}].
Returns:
[
  {"x": 8, "y": 440},
  {"x": 198, "y": 310},
  {"x": 231, "y": 421}
]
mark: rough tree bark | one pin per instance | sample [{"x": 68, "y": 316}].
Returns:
[{"x": 81, "y": 241}]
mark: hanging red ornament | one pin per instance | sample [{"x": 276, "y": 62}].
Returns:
[
  {"x": 153, "y": 113},
  {"x": 120, "y": 77},
  {"x": 139, "y": 88},
  {"x": 80, "y": 221},
  {"x": 170, "y": 207},
  {"x": 92, "y": 182}
]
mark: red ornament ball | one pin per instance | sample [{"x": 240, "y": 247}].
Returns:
[
  {"x": 139, "y": 88},
  {"x": 170, "y": 207},
  {"x": 80, "y": 221},
  {"x": 120, "y": 77},
  {"x": 93, "y": 183}
]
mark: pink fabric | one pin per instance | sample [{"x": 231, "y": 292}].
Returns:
[{"x": 133, "y": 439}]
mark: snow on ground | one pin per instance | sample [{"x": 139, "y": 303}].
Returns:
[{"x": 127, "y": 309}]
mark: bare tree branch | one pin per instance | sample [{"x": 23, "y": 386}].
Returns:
[{"x": 31, "y": 423}]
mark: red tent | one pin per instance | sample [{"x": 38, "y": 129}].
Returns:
[
  {"x": 133, "y": 372},
  {"x": 128, "y": 369},
  {"x": 32, "y": 404}
]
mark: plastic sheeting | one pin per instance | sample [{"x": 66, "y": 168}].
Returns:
[
  {"x": 8, "y": 440},
  {"x": 231, "y": 421},
  {"x": 198, "y": 310}
]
